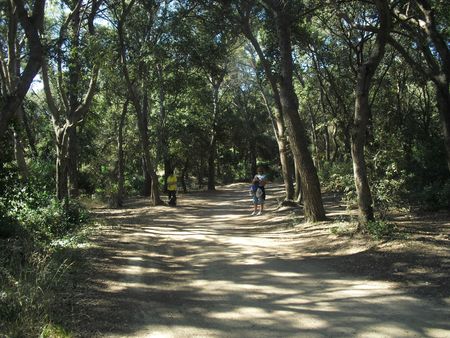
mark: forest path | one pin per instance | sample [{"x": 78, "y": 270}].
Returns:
[{"x": 208, "y": 269}]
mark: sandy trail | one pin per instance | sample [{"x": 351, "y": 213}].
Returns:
[{"x": 208, "y": 269}]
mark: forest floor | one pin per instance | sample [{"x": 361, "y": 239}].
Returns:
[{"x": 206, "y": 268}]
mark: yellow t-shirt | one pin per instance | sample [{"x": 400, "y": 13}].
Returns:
[{"x": 172, "y": 183}]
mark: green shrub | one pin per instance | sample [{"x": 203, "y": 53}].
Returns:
[
  {"x": 389, "y": 189},
  {"x": 337, "y": 177},
  {"x": 379, "y": 229},
  {"x": 434, "y": 196},
  {"x": 39, "y": 213}
]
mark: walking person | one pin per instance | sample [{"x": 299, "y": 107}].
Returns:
[
  {"x": 172, "y": 188},
  {"x": 258, "y": 191}
]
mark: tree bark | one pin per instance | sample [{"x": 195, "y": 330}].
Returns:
[
  {"x": 120, "y": 157},
  {"x": 72, "y": 168},
  {"x": 142, "y": 117},
  {"x": 150, "y": 173},
  {"x": 62, "y": 191},
  {"x": 212, "y": 150},
  {"x": 31, "y": 24},
  {"x": 277, "y": 116},
  {"x": 163, "y": 141},
  {"x": 63, "y": 121},
  {"x": 74, "y": 69},
  {"x": 298, "y": 186},
  {"x": 313, "y": 204},
  {"x": 283, "y": 149},
  {"x": 366, "y": 71}
]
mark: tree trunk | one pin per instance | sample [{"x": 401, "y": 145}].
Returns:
[
  {"x": 327, "y": 144},
  {"x": 31, "y": 24},
  {"x": 283, "y": 149},
  {"x": 163, "y": 141},
  {"x": 286, "y": 169},
  {"x": 358, "y": 139},
  {"x": 74, "y": 69},
  {"x": 277, "y": 116},
  {"x": 120, "y": 158},
  {"x": 366, "y": 71},
  {"x": 211, "y": 163},
  {"x": 298, "y": 187},
  {"x": 73, "y": 162},
  {"x": 145, "y": 145},
  {"x": 62, "y": 191},
  {"x": 150, "y": 175},
  {"x": 213, "y": 139},
  {"x": 313, "y": 204},
  {"x": 314, "y": 138}
]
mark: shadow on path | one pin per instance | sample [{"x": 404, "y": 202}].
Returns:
[{"x": 208, "y": 269}]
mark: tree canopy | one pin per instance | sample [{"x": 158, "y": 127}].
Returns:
[{"x": 105, "y": 97}]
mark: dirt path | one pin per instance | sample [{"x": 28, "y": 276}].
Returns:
[{"x": 208, "y": 269}]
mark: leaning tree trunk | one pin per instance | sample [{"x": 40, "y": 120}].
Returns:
[
  {"x": 366, "y": 71},
  {"x": 283, "y": 149},
  {"x": 313, "y": 204},
  {"x": 298, "y": 187},
  {"x": 277, "y": 117}
]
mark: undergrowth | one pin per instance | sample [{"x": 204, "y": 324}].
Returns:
[{"x": 39, "y": 241}]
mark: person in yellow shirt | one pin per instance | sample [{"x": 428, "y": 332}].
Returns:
[{"x": 172, "y": 188}]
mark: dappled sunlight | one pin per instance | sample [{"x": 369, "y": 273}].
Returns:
[{"x": 208, "y": 269}]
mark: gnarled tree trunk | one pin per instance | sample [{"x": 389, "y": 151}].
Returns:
[{"x": 31, "y": 24}]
